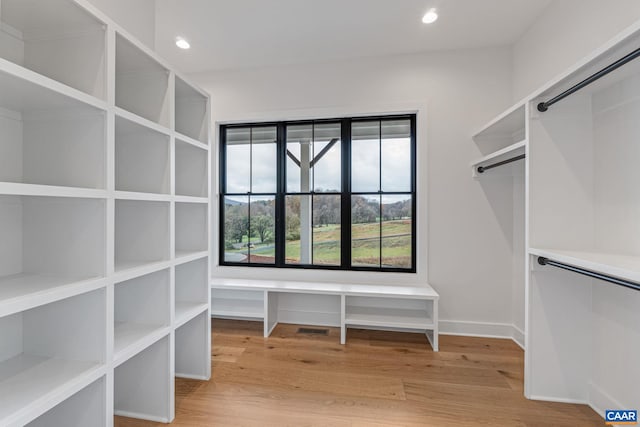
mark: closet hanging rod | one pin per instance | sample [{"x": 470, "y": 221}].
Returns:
[
  {"x": 595, "y": 275},
  {"x": 544, "y": 106},
  {"x": 481, "y": 169}
]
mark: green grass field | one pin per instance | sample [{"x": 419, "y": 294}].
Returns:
[{"x": 396, "y": 245}]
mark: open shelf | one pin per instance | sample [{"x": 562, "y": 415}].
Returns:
[
  {"x": 185, "y": 311},
  {"x": 57, "y": 39},
  {"x": 240, "y": 303},
  {"x": 506, "y": 129},
  {"x": 143, "y": 388},
  {"x": 191, "y": 112},
  {"x": 51, "y": 248},
  {"x": 193, "y": 343},
  {"x": 141, "y": 233},
  {"x": 141, "y": 83},
  {"x": 389, "y": 312},
  {"x": 513, "y": 150},
  {"x": 49, "y": 138},
  {"x": 21, "y": 292},
  {"x": 621, "y": 266},
  {"x": 141, "y": 313},
  {"x": 48, "y": 353},
  {"x": 191, "y": 287},
  {"x": 191, "y": 227},
  {"x": 142, "y": 158},
  {"x": 85, "y": 408},
  {"x": 192, "y": 174}
]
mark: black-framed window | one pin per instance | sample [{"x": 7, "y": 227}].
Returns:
[{"x": 327, "y": 194}]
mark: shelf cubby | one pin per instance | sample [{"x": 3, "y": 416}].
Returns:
[
  {"x": 143, "y": 387},
  {"x": 191, "y": 170},
  {"x": 191, "y": 288},
  {"x": 85, "y": 408},
  {"x": 142, "y": 158},
  {"x": 57, "y": 39},
  {"x": 50, "y": 352},
  {"x": 193, "y": 343},
  {"x": 389, "y": 312},
  {"x": 51, "y": 248},
  {"x": 191, "y": 228},
  {"x": 191, "y": 109},
  {"x": 504, "y": 130},
  {"x": 141, "y": 233},
  {"x": 142, "y": 84},
  {"x": 141, "y": 313},
  {"x": 49, "y": 138},
  {"x": 237, "y": 303}
]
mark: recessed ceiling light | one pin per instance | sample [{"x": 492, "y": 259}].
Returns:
[
  {"x": 182, "y": 43},
  {"x": 430, "y": 17}
]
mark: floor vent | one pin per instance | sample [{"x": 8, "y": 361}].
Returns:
[{"x": 311, "y": 331}]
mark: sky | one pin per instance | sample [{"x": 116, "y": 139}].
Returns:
[{"x": 326, "y": 173}]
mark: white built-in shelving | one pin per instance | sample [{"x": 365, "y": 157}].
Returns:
[
  {"x": 141, "y": 233},
  {"x": 191, "y": 170},
  {"x": 407, "y": 308},
  {"x": 585, "y": 214},
  {"x": 142, "y": 158},
  {"x": 104, "y": 169}
]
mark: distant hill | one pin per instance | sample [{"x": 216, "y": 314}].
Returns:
[{"x": 230, "y": 202}]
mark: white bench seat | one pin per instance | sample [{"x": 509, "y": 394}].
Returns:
[{"x": 361, "y": 305}]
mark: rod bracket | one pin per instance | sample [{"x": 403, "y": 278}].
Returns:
[
  {"x": 542, "y": 260},
  {"x": 542, "y": 107}
]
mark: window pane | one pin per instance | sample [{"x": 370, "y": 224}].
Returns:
[
  {"x": 365, "y": 156},
  {"x": 313, "y": 230},
  {"x": 396, "y": 155},
  {"x": 238, "y": 160},
  {"x": 397, "y": 224},
  {"x": 236, "y": 229},
  {"x": 326, "y": 230},
  {"x": 299, "y": 141},
  {"x": 365, "y": 231},
  {"x": 292, "y": 230},
  {"x": 264, "y": 160},
  {"x": 327, "y": 158},
  {"x": 262, "y": 231}
]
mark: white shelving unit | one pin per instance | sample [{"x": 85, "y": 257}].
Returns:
[
  {"x": 142, "y": 82},
  {"x": 56, "y": 39},
  {"x": 192, "y": 112},
  {"x": 407, "y": 308},
  {"x": 142, "y": 158},
  {"x": 503, "y": 139},
  {"x": 191, "y": 228},
  {"x": 578, "y": 202},
  {"x": 85, "y": 408},
  {"x": 584, "y": 213},
  {"x": 49, "y": 353},
  {"x": 141, "y": 313},
  {"x": 191, "y": 169},
  {"x": 103, "y": 180}
]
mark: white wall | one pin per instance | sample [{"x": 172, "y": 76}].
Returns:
[
  {"x": 137, "y": 17},
  {"x": 566, "y": 32},
  {"x": 456, "y": 92}
]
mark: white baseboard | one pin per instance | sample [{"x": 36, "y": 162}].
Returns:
[
  {"x": 599, "y": 400},
  {"x": 518, "y": 336},
  {"x": 145, "y": 417},
  {"x": 558, "y": 400}
]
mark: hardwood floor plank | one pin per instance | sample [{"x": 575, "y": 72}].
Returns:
[{"x": 378, "y": 379}]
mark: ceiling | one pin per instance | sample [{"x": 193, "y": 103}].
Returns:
[{"x": 231, "y": 34}]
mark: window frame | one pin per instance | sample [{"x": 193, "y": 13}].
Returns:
[{"x": 345, "y": 194}]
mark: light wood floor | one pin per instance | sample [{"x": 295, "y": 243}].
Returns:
[{"x": 378, "y": 379}]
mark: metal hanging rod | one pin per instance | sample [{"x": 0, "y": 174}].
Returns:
[
  {"x": 544, "y": 106},
  {"x": 595, "y": 275},
  {"x": 481, "y": 169}
]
